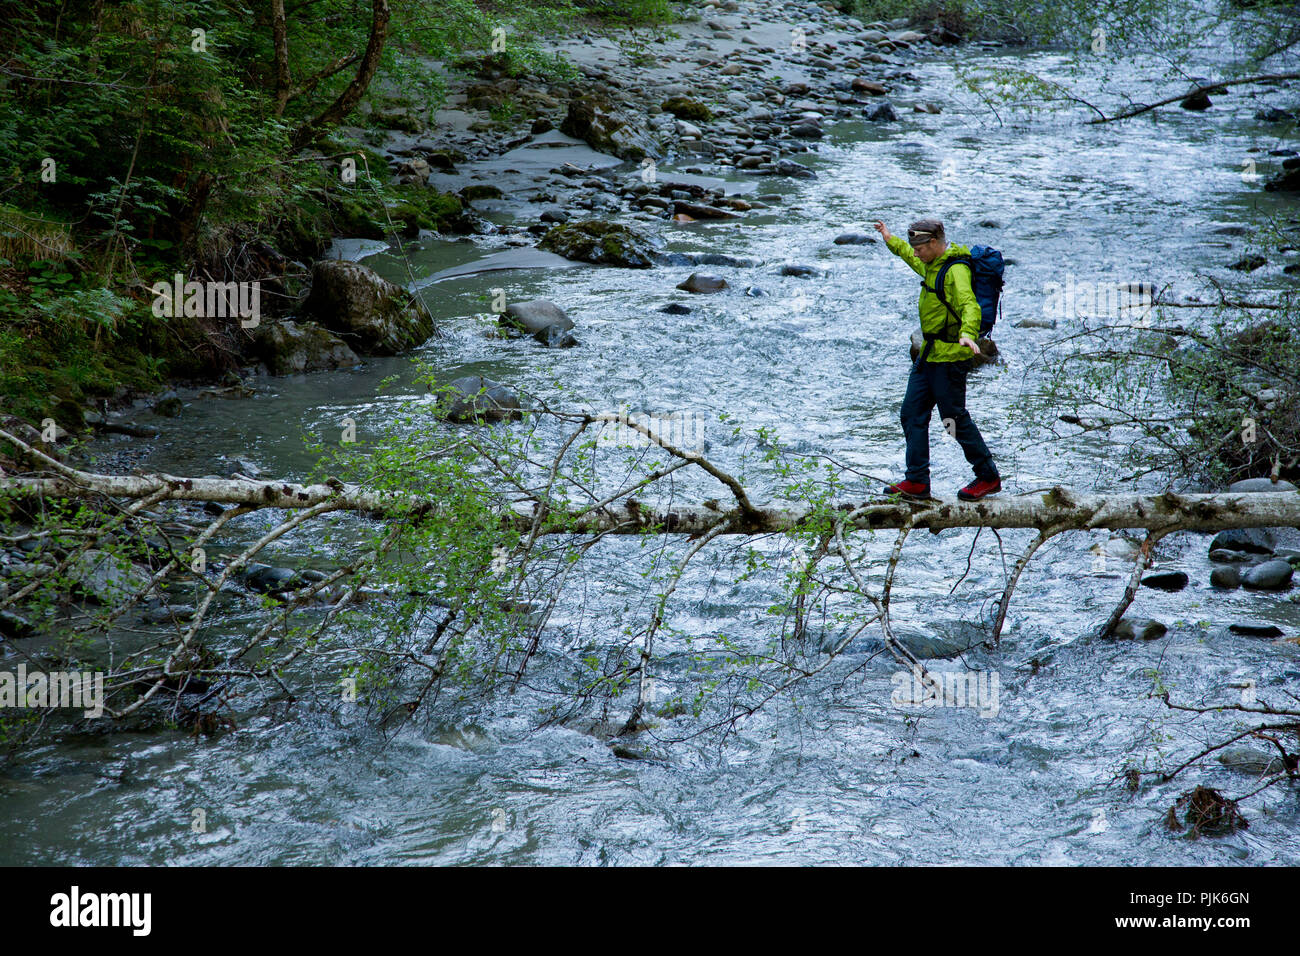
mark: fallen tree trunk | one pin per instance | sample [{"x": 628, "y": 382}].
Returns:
[
  {"x": 1055, "y": 507},
  {"x": 1198, "y": 88},
  {"x": 169, "y": 667}
]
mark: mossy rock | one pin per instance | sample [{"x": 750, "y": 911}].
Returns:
[
  {"x": 486, "y": 96},
  {"x": 498, "y": 63},
  {"x": 445, "y": 160},
  {"x": 69, "y": 413},
  {"x": 605, "y": 243},
  {"x": 354, "y": 216},
  {"x": 683, "y": 107},
  {"x": 369, "y": 313},
  {"x": 337, "y": 145},
  {"x": 423, "y": 208},
  {"x": 401, "y": 120},
  {"x": 481, "y": 191},
  {"x": 321, "y": 215},
  {"x": 290, "y": 347},
  {"x": 595, "y": 120}
]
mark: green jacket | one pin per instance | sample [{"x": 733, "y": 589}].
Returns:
[{"x": 934, "y": 316}]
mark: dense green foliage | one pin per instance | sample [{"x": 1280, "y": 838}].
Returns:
[
  {"x": 152, "y": 136},
  {"x": 157, "y": 115}
]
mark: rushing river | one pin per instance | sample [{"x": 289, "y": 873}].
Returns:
[{"x": 847, "y": 778}]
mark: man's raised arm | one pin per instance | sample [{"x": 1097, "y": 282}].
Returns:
[{"x": 900, "y": 248}]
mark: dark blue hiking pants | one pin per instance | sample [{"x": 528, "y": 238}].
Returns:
[{"x": 942, "y": 384}]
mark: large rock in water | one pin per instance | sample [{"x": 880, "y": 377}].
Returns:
[
  {"x": 1198, "y": 97},
  {"x": 1247, "y": 540},
  {"x": 1252, "y": 761},
  {"x": 371, "y": 314},
  {"x": 291, "y": 347},
  {"x": 1250, "y": 485},
  {"x": 535, "y": 315},
  {"x": 594, "y": 120},
  {"x": 703, "y": 283},
  {"x": 604, "y": 243},
  {"x": 105, "y": 578},
  {"x": 1272, "y": 575},
  {"x": 543, "y": 319},
  {"x": 1166, "y": 580},
  {"x": 948, "y": 639},
  {"x": 1134, "y": 628},
  {"x": 266, "y": 579},
  {"x": 1226, "y": 577},
  {"x": 1286, "y": 181},
  {"x": 477, "y": 399}
]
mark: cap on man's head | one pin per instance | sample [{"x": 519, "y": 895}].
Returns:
[{"x": 923, "y": 230}]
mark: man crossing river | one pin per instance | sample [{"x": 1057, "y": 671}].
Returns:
[{"x": 950, "y": 323}]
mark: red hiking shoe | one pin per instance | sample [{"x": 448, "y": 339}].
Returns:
[
  {"x": 979, "y": 488},
  {"x": 909, "y": 489}
]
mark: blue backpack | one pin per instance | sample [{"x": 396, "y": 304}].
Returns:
[{"x": 985, "y": 264}]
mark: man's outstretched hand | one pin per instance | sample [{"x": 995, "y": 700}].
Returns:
[
  {"x": 884, "y": 231},
  {"x": 973, "y": 346}
]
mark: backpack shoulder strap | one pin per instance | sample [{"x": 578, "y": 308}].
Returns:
[{"x": 941, "y": 277}]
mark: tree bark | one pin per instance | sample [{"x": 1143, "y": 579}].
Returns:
[
  {"x": 1207, "y": 88},
  {"x": 1055, "y": 507},
  {"x": 280, "y": 40},
  {"x": 352, "y": 93}
]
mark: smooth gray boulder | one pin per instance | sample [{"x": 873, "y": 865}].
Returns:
[
  {"x": 1252, "y": 761},
  {"x": 1272, "y": 575},
  {"x": 788, "y": 167},
  {"x": 1224, "y": 555},
  {"x": 1226, "y": 578},
  {"x": 1260, "y": 485},
  {"x": 555, "y": 337},
  {"x": 800, "y": 270},
  {"x": 105, "y": 578},
  {"x": 929, "y": 643},
  {"x": 1249, "y": 540},
  {"x": 264, "y": 578},
  {"x": 477, "y": 399},
  {"x": 535, "y": 315},
  {"x": 703, "y": 283},
  {"x": 700, "y": 211}
]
